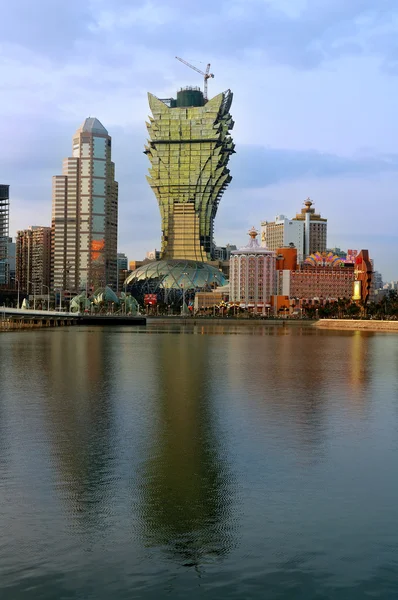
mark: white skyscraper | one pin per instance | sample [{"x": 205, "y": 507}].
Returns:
[
  {"x": 84, "y": 216},
  {"x": 283, "y": 232}
]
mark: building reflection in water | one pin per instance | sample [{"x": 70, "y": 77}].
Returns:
[
  {"x": 187, "y": 488},
  {"x": 290, "y": 379},
  {"x": 359, "y": 365},
  {"x": 78, "y": 378},
  {"x": 282, "y": 384}
]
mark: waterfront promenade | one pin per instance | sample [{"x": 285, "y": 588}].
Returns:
[{"x": 18, "y": 318}]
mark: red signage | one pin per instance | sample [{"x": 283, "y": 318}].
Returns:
[{"x": 150, "y": 299}]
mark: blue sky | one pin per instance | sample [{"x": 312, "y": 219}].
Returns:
[{"x": 315, "y": 85}]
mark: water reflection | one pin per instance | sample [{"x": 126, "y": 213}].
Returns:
[
  {"x": 294, "y": 381},
  {"x": 78, "y": 379},
  {"x": 262, "y": 458},
  {"x": 187, "y": 486},
  {"x": 359, "y": 365}
]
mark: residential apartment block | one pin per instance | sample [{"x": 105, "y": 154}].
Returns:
[{"x": 33, "y": 259}]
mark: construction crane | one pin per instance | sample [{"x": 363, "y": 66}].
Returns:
[{"x": 207, "y": 75}]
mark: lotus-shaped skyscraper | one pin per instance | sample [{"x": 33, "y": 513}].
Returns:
[{"x": 189, "y": 149}]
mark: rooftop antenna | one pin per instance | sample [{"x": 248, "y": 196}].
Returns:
[{"x": 206, "y": 75}]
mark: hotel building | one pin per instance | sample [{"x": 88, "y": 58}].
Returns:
[
  {"x": 189, "y": 147},
  {"x": 252, "y": 275}
]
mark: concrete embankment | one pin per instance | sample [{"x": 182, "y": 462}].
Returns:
[{"x": 358, "y": 325}]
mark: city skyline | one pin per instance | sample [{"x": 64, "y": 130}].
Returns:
[{"x": 314, "y": 108}]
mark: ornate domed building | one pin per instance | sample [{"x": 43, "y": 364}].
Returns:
[{"x": 252, "y": 275}]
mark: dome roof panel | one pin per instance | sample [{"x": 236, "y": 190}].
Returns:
[{"x": 176, "y": 274}]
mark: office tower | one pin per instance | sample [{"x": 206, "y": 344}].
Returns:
[
  {"x": 84, "y": 217},
  {"x": 152, "y": 255},
  {"x": 122, "y": 270},
  {"x": 252, "y": 275},
  {"x": 338, "y": 252},
  {"x": 4, "y": 233},
  {"x": 223, "y": 253},
  {"x": 122, "y": 261},
  {"x": 135, "y": 264},
  {"x": 33, "y": 259},
  {"x": 377, "y": 280},
  {"x": 11, "y": 249},
  {"x": 315, "y": 229},
  {"x": 189, "y": 149},
  {"x": 283, "y": 232}
]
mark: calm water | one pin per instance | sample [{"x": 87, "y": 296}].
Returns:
[{"x": 201, "y": 463}]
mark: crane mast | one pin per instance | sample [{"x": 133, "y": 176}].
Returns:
[{"x": 206, "y": 75}]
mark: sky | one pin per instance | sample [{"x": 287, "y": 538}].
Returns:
[{"x": 315, "y": 86}]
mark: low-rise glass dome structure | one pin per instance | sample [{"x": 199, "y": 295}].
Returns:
[{"x": 169, "y": 279}]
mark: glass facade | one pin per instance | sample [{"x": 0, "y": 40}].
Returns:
[
  {"x": 165, "y": 276},
  {"x": 189, "y": 149}
]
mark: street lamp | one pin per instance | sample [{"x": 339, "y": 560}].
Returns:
[
  {"x": 17, "y": 281},
  {"x": 48, "y": 297},
  {"x": 125, "y": 292},
  {"x": 183, "y": 298},
  {"x": 60, "y": 299},
  {"x": 34, "y": 294},
  {"x": 68, "y": 298},
  {"x": 214, "y": 287},
  {"x": 183, "y": 295}
]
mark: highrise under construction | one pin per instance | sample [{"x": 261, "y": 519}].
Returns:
[{"x": 189, "y": 149}]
